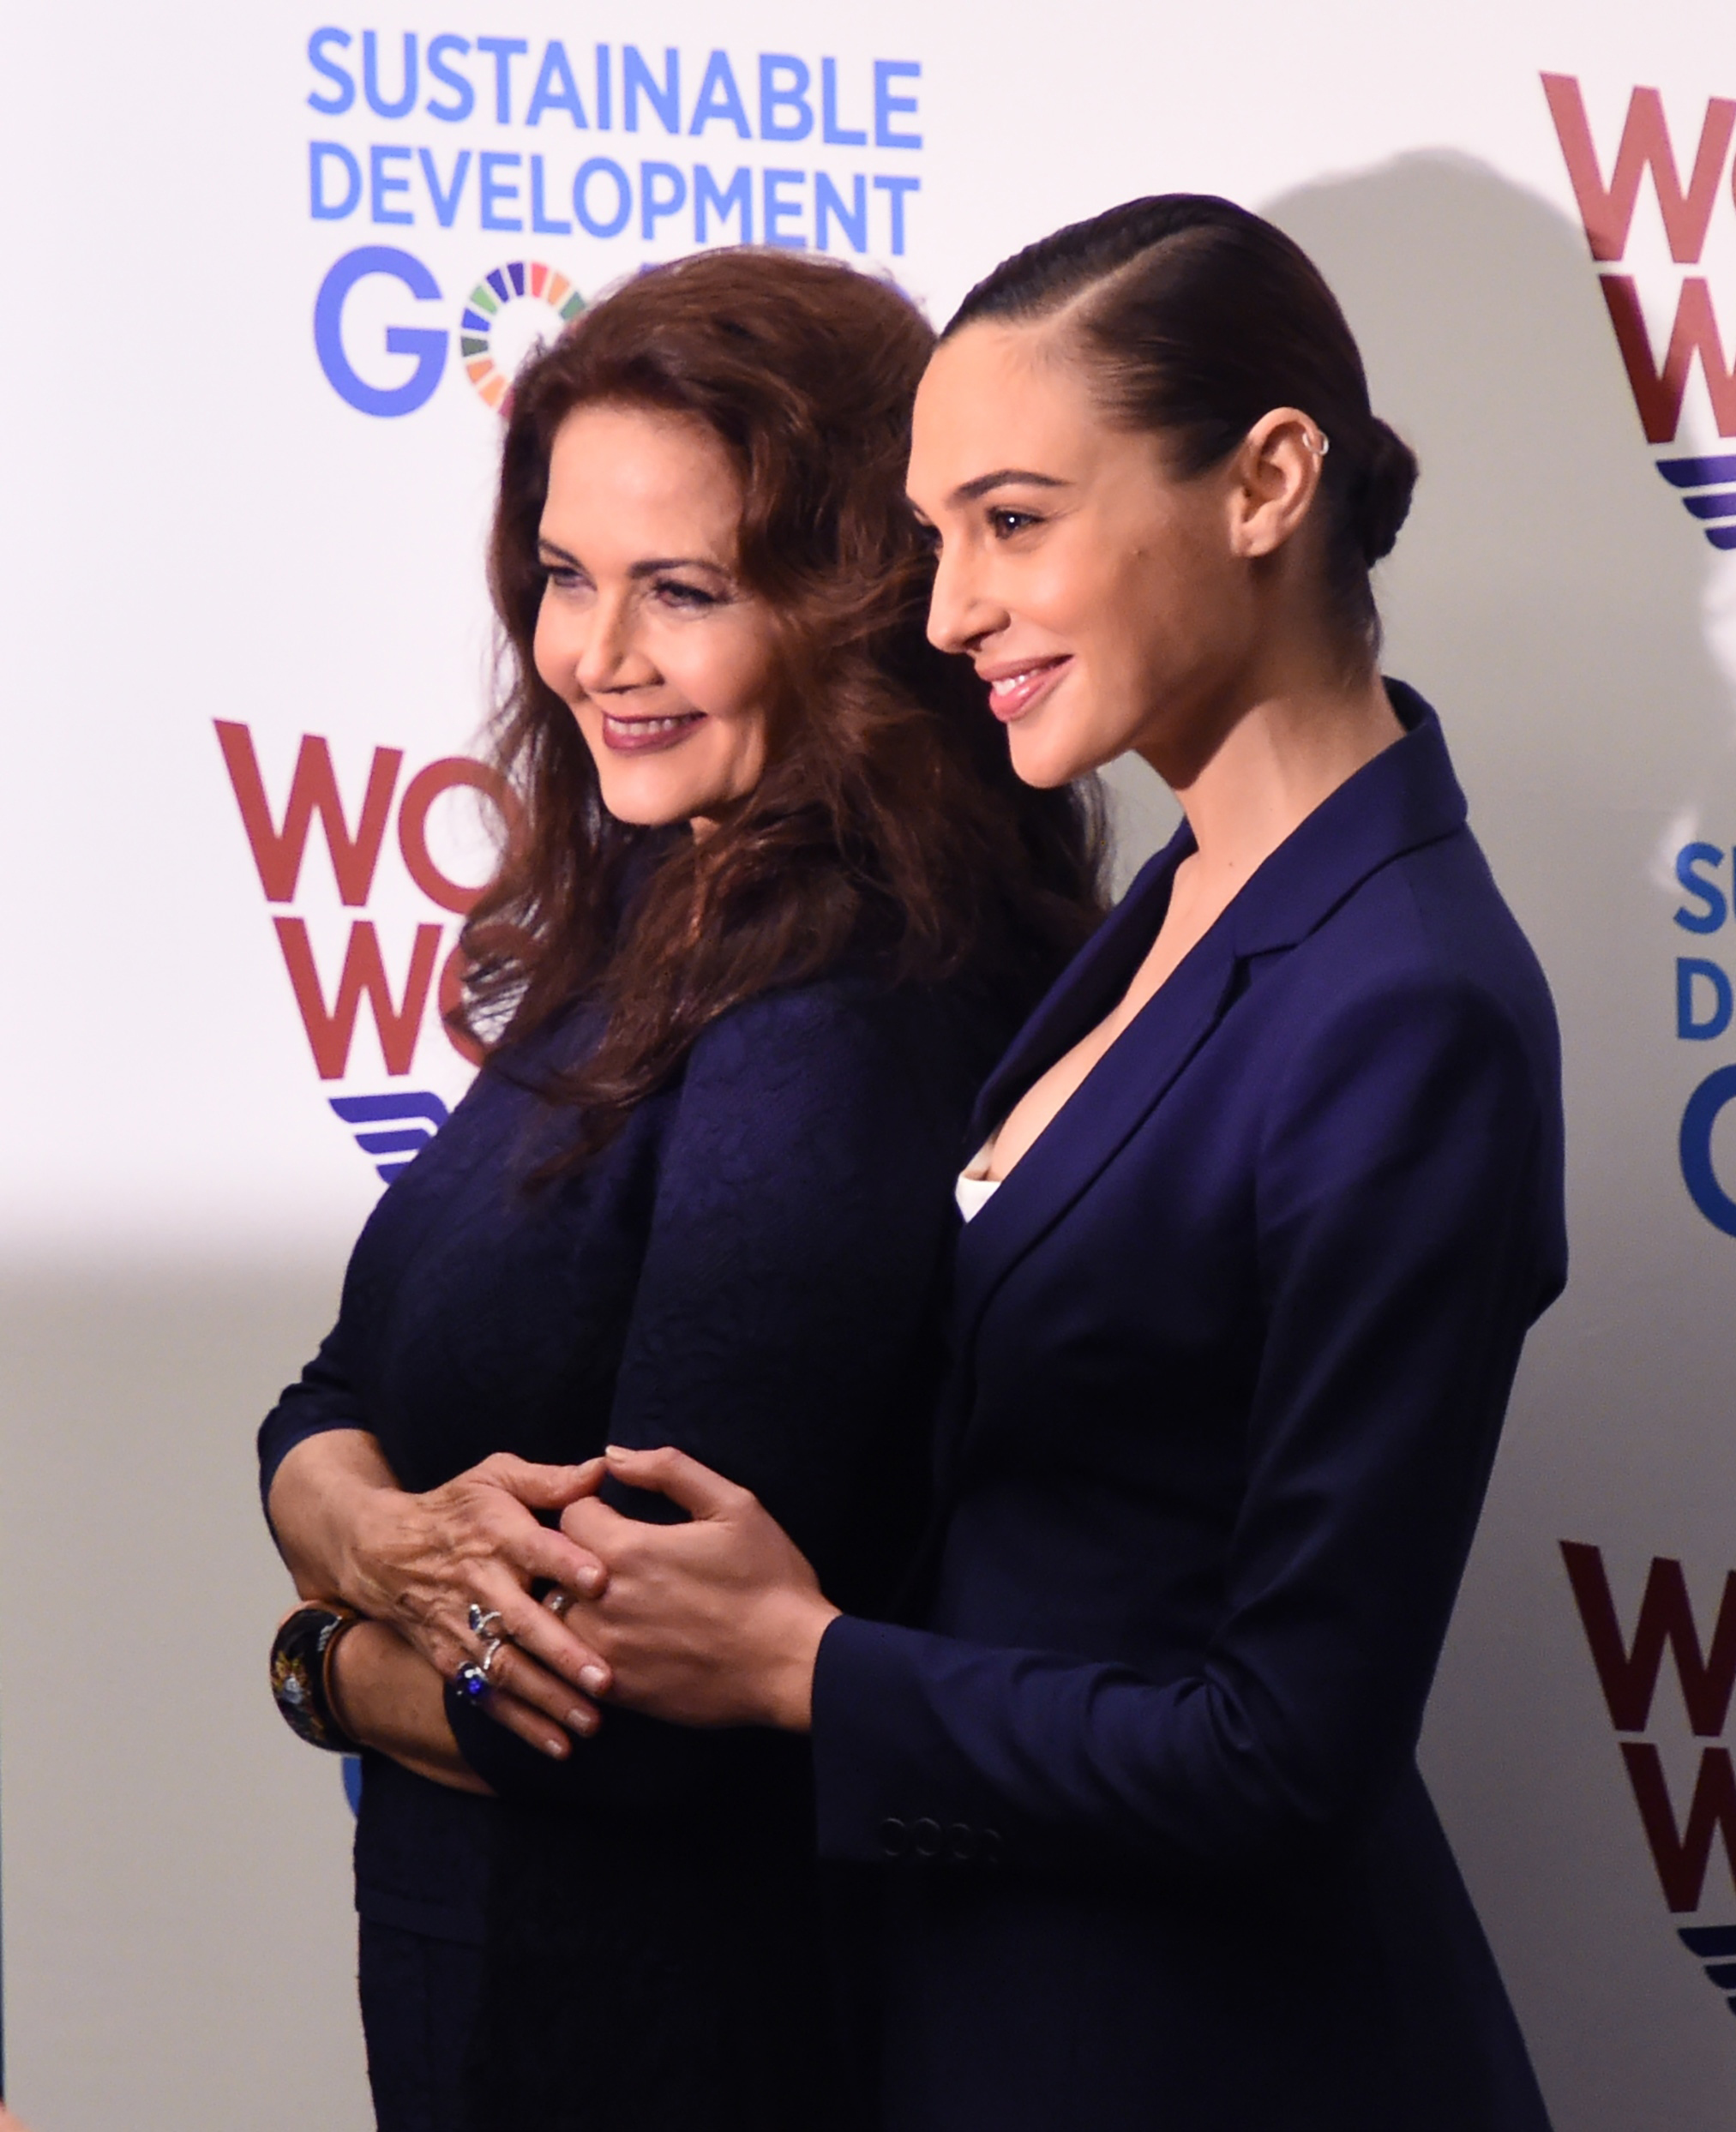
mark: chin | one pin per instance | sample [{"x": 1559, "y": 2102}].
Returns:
[
  {"x": 643, "y": 803},
  {"x": 1042, "y": 760}
]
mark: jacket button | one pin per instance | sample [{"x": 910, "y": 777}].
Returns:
[
  {"x": 925, "y": 1838},
  {"x": 895, "y": 1837},
  {"x": 961, "y": 1842}
]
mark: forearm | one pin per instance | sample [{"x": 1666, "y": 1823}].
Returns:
[
  {"x": 387, "y": 1698},
  {"x": 321, "y": 1498},
  {"x": 1059, "y": 1761}
]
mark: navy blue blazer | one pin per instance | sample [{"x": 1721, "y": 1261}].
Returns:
[{"x": 1234, "y": 1342}]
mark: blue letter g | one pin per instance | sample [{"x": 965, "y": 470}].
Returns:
[
  {"x": 427, "y": 344},
  {"x": 1704, "y": 1106}
]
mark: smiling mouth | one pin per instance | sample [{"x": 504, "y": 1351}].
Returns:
[
  {"x": 647, "y": 737},
  {"x": 1012, "y": 692}
]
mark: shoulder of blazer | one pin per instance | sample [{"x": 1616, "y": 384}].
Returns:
[{"x": 1406, "y": 797}]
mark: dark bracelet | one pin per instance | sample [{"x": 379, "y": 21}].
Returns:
[{"x": 301, "y": 1659}]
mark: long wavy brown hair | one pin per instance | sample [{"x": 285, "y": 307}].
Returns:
[{"x": 887, "y": 829}]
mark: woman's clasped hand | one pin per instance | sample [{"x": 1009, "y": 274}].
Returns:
[
  {"x": 713, "y": 1621},
  {"x": 424, "y": 1565}
]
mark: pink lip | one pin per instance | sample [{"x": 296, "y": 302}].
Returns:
[
  {"x": 648, "y": 736},
  {"x": 1015, "y": 685}
]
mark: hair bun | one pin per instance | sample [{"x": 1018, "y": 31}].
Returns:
[{"x": 1380, "y": 497}]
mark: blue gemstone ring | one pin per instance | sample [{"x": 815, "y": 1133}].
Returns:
[{"x": 471, "y": 1680}]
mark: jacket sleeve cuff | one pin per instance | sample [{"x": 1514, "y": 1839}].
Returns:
[{"x": 888, "y": 1785}]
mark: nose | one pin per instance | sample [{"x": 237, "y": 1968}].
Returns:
[
  {"x": 961, "y": 609},
  {"x": 610, "y": 657}
]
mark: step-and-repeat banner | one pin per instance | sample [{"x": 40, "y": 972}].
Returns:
[{"x": 270, "y": 273}]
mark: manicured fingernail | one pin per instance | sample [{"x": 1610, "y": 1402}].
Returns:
[
  {"x": 592, "y": 1679},
  {"x": 581, "y": 1722},
  {"x": 616, "y": 1450},
  {"x": 589, "y": 1580},
  {"x": 556, "y": 1747}
]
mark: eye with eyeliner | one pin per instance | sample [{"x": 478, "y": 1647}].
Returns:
[
  {"x": 561, "y": 572},
  {"x": 1006, "y": 524},
  {"x": 681, "y": 594}
]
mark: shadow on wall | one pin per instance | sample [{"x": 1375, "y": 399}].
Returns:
[{"x": 1548, "y": 596}]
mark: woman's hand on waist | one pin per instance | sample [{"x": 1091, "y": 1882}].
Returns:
[
  {"x": 420, "y": 1562},
  {"x": 715, "y": 1622}
]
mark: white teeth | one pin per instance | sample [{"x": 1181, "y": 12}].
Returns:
[{"x": 644, "y": 725}]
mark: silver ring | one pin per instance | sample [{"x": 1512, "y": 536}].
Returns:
[
  {"x": 496, "y": 1645},
  {"x": 557, "y": 1602},
  {"x": 471, "y": 1680},
  {"x": 482, "y": 1623}
]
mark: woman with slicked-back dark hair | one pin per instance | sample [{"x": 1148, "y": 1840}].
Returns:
[
  {"x": 771, "y": 902},
  {"x": 1268, "y": 1194}
]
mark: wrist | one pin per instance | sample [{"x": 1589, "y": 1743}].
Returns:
[
  {"x": 368, "y": 1515},
  {"x": 789, "y": 1676},
  {"x": 322, "y": 1488},
  {"x": 347, "y": 1679}
]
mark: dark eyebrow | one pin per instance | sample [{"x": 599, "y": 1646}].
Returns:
[
  {"x": 650, "y": 568},
  {"x": 647, "y": 570},
  {"x": 969, "y": 491}
]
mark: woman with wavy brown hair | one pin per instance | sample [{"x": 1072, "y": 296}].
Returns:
[{"x": 772, "y": 904}]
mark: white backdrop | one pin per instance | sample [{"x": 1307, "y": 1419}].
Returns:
[{"x": 246, "y": 468}]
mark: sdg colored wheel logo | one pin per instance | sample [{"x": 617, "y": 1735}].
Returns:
[
  {"x": 522, "y": 280},
  {"x": 497, "y": 331}
]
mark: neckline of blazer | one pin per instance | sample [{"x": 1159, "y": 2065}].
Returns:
[{"x": 1407, "y": 797}]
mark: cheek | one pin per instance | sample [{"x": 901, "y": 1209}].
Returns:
[
  {"x": 1082, "y": 590},
  {"x": 550, "y": 653},
  {"x": 732, "y": 678}
]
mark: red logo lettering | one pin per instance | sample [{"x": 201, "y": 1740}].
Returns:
[
  {"x": 450, "y": 772},
  {"x": 1657, "y": 391},
  {"x": 1606, "y": 211},
  {"x": 278, "y": 852},
  {"x": 1629, "y": 1674},
  {"x": 1682, "y": 1858},
  {"x": 313, "y": 791},
  {"x": 330, "y": 1030}
]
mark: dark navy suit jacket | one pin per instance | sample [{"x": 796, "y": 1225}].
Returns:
[{"x": 1234, "y": 1344}]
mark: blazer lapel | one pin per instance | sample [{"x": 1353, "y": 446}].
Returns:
[
  {"x": 1405, "y": 797},
  {"x": 1090, "y": 1129},
  {"x": 1086, "y": 989}
]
